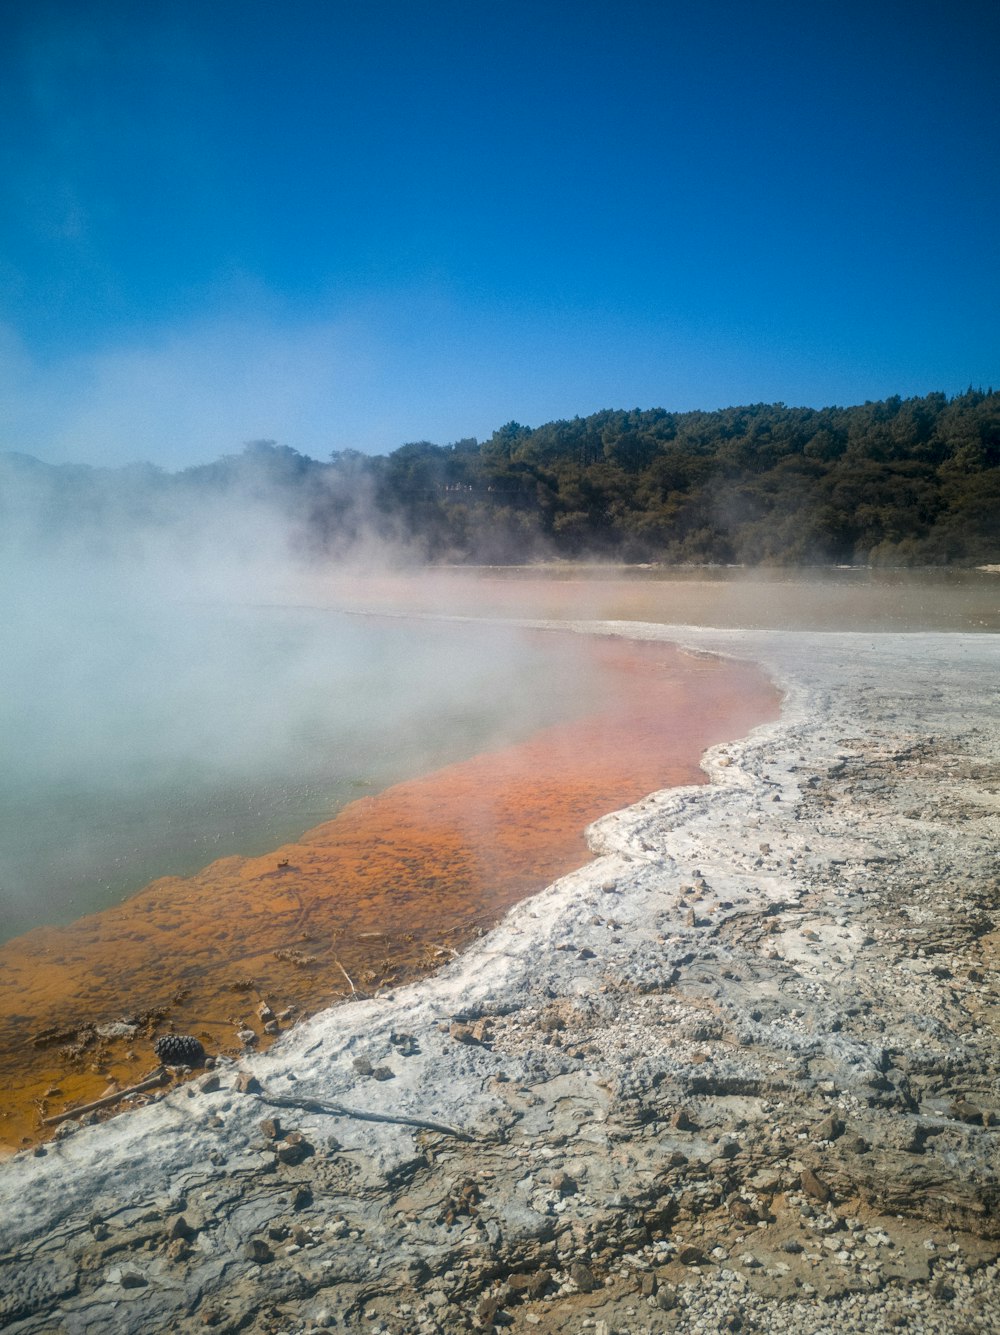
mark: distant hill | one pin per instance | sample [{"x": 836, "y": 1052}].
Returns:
[{"x": 901, "y": 482}]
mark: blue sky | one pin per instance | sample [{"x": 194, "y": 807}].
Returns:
[{"x": 342, "y": 225}]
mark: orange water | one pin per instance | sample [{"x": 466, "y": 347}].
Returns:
[{"x": 375, "y": 897}]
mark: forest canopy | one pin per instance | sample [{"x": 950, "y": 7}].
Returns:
[{"x": 899, "y": 482}]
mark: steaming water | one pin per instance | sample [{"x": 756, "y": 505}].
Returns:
[{"x": 146, "y": 742}]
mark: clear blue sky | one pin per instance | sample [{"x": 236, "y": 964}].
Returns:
[{"x": 357, "y": 224}]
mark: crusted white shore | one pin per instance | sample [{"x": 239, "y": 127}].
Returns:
[{"x": 740, "y": 1072}]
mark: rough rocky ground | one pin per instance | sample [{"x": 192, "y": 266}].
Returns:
[{"x": 741, "y": 1073}]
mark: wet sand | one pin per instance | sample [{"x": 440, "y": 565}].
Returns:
[{"x": 378, "y": 896}]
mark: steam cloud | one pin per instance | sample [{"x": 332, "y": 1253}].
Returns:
[{"x": 166, "y": 697}]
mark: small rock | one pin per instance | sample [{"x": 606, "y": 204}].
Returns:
[
  {"x": 831, "y": 1128},
  {"x": 532, "y": 1285},
  {"x": 362, "y": 1065},
  {"x": 257, "y": 1250},
  {"x": 383, "y": 1073},
  {"x": 689, "y": 1254},
  {"x": 966, "y": 1111},
  {"x": 462, "y": 1033},
  {"x": 294, "y": 1149},
  {"x": 743, "y": 1211},
  {"x": 583, "y": 1277},
  {"x": 180, "y": 1228},
  {"x": 814, "y": 1186},
  {"x": 682, "y": 1121},
  {"x": 271, "y": 1128},
  {"x": 248, "y": 1084}
]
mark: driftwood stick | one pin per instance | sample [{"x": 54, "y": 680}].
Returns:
[
  {"x": 350, "y": 984},
  {"x": 361, "y": 1115},
  {"x": 152, "y": 1082}
]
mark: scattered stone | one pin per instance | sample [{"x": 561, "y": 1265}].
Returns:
[
  {"x": 583, "y": 1277},
  {"x": 814, "y": 1186},
  {"x": 831, "y": 1128},
  {"x": 294, "y": 1149},
  {"x": 966, "y": 1111},
  {"x": 532, "y": 1285},
  {"x": 463, "y": 1033},
  {"x": 180, "y": 1228}
]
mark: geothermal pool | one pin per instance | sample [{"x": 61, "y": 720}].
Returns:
[
  {"x": 144, "y": 741},
  {"x": 521, "y": 741}
]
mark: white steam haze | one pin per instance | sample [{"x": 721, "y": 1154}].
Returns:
[
  {"x": 165, "y": 697},
  {"x": 185, "y": 395}
]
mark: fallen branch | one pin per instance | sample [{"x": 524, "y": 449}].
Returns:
[
  {"x": 354, "y": 990},
  {"x": 340, "y": 1110},
  {"x": 152, "y": 1082}
]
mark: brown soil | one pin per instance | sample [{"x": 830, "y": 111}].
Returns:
[{"x": 378, "y": 895}]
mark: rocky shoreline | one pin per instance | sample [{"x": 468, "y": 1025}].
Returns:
[{"x": 741, "y": 1072}]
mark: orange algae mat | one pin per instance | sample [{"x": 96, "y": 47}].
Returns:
[{"x": 375, "y": 897}]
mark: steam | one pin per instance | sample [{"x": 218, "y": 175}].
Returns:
[
  {"x": 166, "y": 697},
  {"x": 185, "y": 393}
]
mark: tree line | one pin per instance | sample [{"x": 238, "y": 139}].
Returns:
[{"x": 899, "y": 482}]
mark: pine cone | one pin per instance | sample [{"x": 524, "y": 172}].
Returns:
[{"x": 179, "y": 1050}]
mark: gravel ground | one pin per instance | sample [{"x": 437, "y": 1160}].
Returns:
[{"x": 740, "y": 1073}]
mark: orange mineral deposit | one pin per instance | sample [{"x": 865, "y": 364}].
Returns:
[{"x": 375, "y": 897}]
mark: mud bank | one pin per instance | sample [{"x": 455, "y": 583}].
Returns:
[{"x": 741, "y": 1072}]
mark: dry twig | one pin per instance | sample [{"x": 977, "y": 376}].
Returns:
[
  {"x": 354, "y": 990},
  {"x": 151, "y": 1082},
  {"x": 362, "y": 1115}
]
